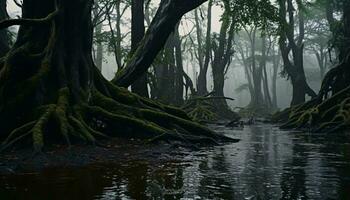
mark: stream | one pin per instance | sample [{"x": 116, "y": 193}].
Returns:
[{"x": 266, "y": 164}]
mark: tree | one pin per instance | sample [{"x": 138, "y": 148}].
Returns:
[
  {"x": 4, "y": 37},
  {"x": 51, "y": 90},
  {"x": 203, "y": 49},
  {"x": 166, "y": 18},
  {"x": 179, "y": 71},
  {"x": 137, "y": 32},
  {"x": 294, "y": 69},
  {"x": 317, "y": 36},
  {"x": 222, "y": 48},
  {"x": 255, "y": 53},
  {"x": 329, "y": 111},
  {"x": 97, "y": 32},
  {"x": 276, "y": 59},
  {"x": 165, "y": 72},
  {"x": 265, "y": 50}
]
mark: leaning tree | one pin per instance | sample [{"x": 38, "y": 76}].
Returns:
[{"x": 50, "y": 89}]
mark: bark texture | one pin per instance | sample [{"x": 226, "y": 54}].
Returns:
[{"x": 137, "y": 32}]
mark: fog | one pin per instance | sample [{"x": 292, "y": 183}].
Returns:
[{"x": 235, "y": 75}]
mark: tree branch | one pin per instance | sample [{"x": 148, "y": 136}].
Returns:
[{"x": 27, "y": 22}]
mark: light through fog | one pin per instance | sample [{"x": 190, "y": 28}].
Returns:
[{"x": 235, "y": 76}]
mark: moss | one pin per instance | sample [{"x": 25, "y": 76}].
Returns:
[
  {"x": 38, "y": 129},
  {"x": 61, "y": 112},
  {"x": 79, "y": 128},
  {"x": 329, "y": 115}
]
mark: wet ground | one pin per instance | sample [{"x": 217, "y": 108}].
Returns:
[{"x": 266, "y": 164}]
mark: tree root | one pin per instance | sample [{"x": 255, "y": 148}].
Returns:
[
  {"x": 123, "y": 114},
  {"x": 204, "y": 109},
  {"x": 330, "y": 115}
]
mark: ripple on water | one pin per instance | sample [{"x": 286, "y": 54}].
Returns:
[{"x": 266, "y": 164}]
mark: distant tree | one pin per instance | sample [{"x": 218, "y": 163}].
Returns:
[
  {"x": 203, "y": 49},
  {"x": 222, "y": 50},
  {"x": 317, "y": 37}
]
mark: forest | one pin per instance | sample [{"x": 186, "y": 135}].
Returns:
[{"x": 169, "y": 90}]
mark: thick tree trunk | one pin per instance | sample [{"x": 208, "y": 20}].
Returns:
[
  {"x": 168, "y": 15},
  {"x": 223, "y": 52},
  {"x": 137, "y": 32},
  {"x": 50, "y": 89},
  {"x": 167, "y": 85}
]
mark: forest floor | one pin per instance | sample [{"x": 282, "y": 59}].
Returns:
[{"x": 114, "y": 150}]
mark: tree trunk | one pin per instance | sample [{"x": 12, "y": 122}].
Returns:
[
  {"x": 179, "y": 80},
  {"x": 276, "y": 62},
  {"x": 50, "y": 89},
  {"x": 4, "y": 36},
  {"x": 118, "y": 53},
  {"x": 203, "y": 56},
  {"x": 137, "y": 32},
  {"x": 295, "y": 69},
  {"x": 223, "y": 52},
  {"x": 168, "y": 15},
  {"x": 268, "y": 101},
  {"x": 99, "y": 49}
]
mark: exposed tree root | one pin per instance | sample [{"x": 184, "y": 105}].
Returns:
[
  {"x": 204, "y": 109},
  {"x": 111, "y": 116},
  {"x": 329, "y": 111},
  {"x": 330, "y": 115}
]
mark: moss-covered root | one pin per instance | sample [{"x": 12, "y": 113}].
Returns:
[
  {"x": 59, "y": 118},
  {"x": 330, "y": 115},
  {"x": 121, "y": 115}
]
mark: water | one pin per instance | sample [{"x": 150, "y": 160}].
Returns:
[{"x": 266, "y": 164}]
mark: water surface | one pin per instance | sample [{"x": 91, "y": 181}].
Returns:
[{"x": 266, "y": 164}]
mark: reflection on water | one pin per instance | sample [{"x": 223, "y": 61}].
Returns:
[{"x": 266, "y": 164}]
